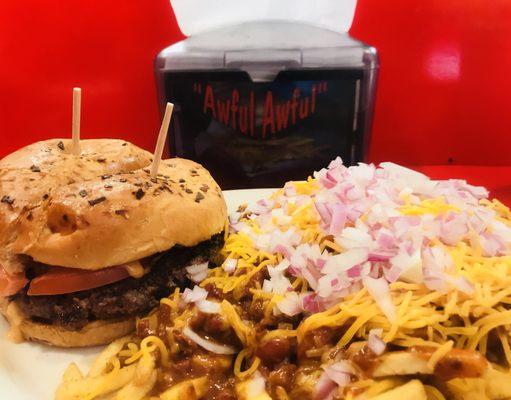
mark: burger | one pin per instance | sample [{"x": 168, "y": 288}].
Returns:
[{"x": 89, "y": 247}]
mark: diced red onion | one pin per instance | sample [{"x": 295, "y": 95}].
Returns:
[
  {"x": 353, "y": 237},
  {"x": 339, "y": 216},
  {"x": 345, "y": 260},
  {"x": 336, "y": 163},
  {"x": 330, "y": 176},
  {"x": 325, "y": 388},
  {"x": 386, "y": 240},
  {"x": 229, "y": 265},
  {"x": 379, "y": 290},
  {"x": 310, "y": 303},
  {"x": 325, "y": 286},
  {"x": 262, "y": 206},
  {"x": 280, "y": 248},
  {"x": 435, "y": 280},
  {"x": 208, "y": 306},
  {"x": 290, "y": 305},
  {"x": 354, "y": 272},
  {"x": 323, "y": 212},
  {"x": 343, "y": 189},
  {"x": 375, "y": 342},
  {"x": 199, "y": 277},
  {"x": 194, "y": 295},
  {"x": 236, "y": 227},
  {"x": 293, "y": 271},
  {"x": 196, "y": 268},
  {"x": 289, "y": 189},
  {"x": 355, "y": 193},
  {"x": 340, "y": 372},
  {"x": 461, "y": 283},
  {"x": 490, "y": 244},
  {"x": 320, "y": 263},
  {"x": 407, "y": 266},
  {"x": 453, "y": 229},
  {"x": 392, "y": 273},
  {"x": 434, "y": 283},
  {"x": 326, "y": 182},
  {"x": 381, "y": 255},
  {"x": 278, "y": 283},
  {"x": 256, "y": 386}
]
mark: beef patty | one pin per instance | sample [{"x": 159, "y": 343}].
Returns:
[{"x": 128, "y": 297}]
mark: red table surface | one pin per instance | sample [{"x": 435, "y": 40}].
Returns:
[{"x": 442, "y": 98}]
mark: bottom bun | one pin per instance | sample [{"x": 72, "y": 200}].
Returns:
[{"x": 93, "y": 334}]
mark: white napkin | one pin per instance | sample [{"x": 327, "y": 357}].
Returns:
[{"x": 196, "y": 16}]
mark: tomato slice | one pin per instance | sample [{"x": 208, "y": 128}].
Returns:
[
  {"x": 11, "y": 284},
  {"x": 68, "y": 280}
]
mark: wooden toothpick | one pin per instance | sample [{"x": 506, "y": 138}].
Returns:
[
  {"x": 162, "y": 136},
  {"x": 77, "y": 100}
]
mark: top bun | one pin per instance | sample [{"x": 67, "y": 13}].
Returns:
[
  {"x": 118, "y": 218},
  {"x": 104, "y": 155},
  {"x": 29, "y": 175}
]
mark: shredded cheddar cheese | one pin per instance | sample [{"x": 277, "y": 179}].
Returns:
[
  {"x": 240, "y": 358},
  {"x": 244, "y": 331},
  {"x": 430, "y": 206},
  {"x": 439, "y": 354}
]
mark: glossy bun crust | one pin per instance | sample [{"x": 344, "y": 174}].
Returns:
[
  {"x": 118, "y": 218},
  {"x": 29, "y": 175}
]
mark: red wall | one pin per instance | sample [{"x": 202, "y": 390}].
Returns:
[
  {"x": 107, "y": 47},
  {"x": 445, "y": 82},
  {"x": 443, "y": 88}
]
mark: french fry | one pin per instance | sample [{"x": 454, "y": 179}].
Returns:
[
  {"x": 433, "y": 393},
  {"x": 72, "y": 373},
  {"x": 411, "y": 390},
  {"x": 381, "y": 387},
  {"x": 183, "y": 390},
  {"x": 305, "y": 384},
  {"x": 91, "y": 387},
  {"x": 281, "y": 393},
  {"x": 468, "y": 389},
  {"x": 145, "y": 368},
  {"x": 200, "y": 385},
  {"x": 106, "y": 355},
  {"x": 134, "y": 391},
  {"x": 192, "y": 389},
  {"x": 252, "y": 389},
  {"x": 498, "y": 384},
  {"x": 401, "y": 363}
]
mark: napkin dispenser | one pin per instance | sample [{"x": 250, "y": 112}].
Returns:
[{"x": 264, "y": 101}]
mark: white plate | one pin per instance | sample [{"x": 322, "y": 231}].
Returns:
[{"x": 32, "y": 371}]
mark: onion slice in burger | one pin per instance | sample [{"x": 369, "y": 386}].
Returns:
[
  {"x": 68, "y": 280},
  {"x": 206, "y": 344}
]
